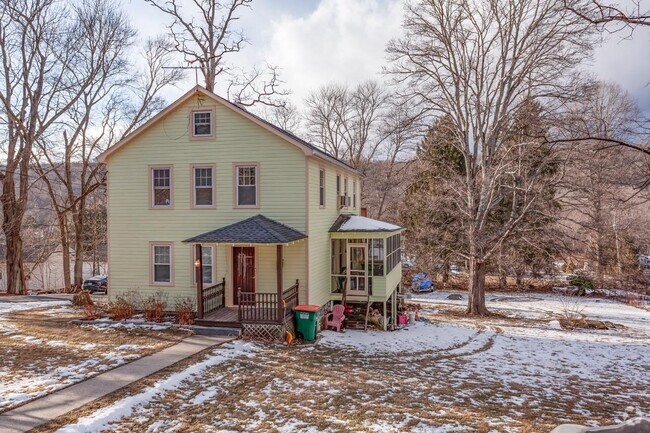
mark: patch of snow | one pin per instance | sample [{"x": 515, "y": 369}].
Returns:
[
  {"x": 356, "y": 223},
  {"x": 125, "y": 407},
  {"x": 414, "y": 338},
  {"x": 129, "y": 347}
]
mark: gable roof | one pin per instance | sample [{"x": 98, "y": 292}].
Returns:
[
  {"x": 356, "y": 223},
  {"x": 254, "y": 230},
  {"x": 308, "y": 148}
]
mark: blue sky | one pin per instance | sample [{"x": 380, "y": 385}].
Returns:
[{"x": 320, "y": 41}]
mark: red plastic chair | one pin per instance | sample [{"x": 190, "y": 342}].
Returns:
[{"x": 335, "y": 318}]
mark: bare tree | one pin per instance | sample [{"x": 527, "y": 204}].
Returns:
[
  {"x": 205, "y": 34},
  {"x": 112, "y": 105},
  {"x": 285, "y": 116},
  {"x": 389, "y": 173},
  {"x": 38, "y": 84},
  {"x": 605, "y": 201},
  {"x": 346, "y": 122},
  {"x": 606, "y": 14},
  {"x": 476, "y": 63}
]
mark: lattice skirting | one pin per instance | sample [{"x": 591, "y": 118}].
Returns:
[{"x": 264, "y": 331}]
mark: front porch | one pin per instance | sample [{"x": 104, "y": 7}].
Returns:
[
  {"x": 252, "y": 308},
  {"x": 250, "y": 255}
]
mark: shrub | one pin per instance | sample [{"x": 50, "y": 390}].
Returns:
[
  {"x": 91, "y": 312},
  {"x": 122, "y": 308},
  {"x": 583, "y": 283},
  {"x": 82, "y": 299},
  {"x": 184, "y": 311},
  {"x": 154, "y": 307}
]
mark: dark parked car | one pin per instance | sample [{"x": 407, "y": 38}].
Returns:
[{"x": 98, "y": 283}]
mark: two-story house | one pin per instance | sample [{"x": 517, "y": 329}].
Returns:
[{"x": 208, "y": 201}]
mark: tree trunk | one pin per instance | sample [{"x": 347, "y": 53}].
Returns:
[
  {"x": 16, "y": 282},
  {"x": 65, "y": 250},
  {"x": 78, "y": 220},
  {"x": 476, "y": 295},
  {"x": 519, "y": 277},
  {"x": 12, "y": 218}
]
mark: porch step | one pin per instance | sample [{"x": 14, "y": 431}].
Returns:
[{"x": 216, "y": 330}]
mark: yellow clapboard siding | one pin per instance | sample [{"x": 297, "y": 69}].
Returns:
[{"x": 288, "y": 193}]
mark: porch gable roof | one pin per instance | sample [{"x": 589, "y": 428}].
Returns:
[
  {"x": 357, "y": 223},
  {"x": 254, "y": 230}
]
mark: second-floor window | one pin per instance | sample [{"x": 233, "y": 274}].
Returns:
[
  {"x": 202, "y": 123},
  {"x": 246, "y": 186},
  {"x": 345, "y": 187},
  {"x": 354, "y": 193},
  {"x": 161, "y": 196},
  {"x": 338, "y": 187},
  {"x": 321, "y": 187},
  {"x": 203, "y": 186}
]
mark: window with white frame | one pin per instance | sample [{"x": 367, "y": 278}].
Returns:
[
  {"x": 203, "y": 186},
  {"x": 354, "y": 193},
  {"x": 338, "y": 186},
  {"x": 161, "y": 255},
  {"x": 321, "y": 187},
  {"x": 345, "y": 189},
  {"x": 207, "y": 260},
  {"x": 161, "y": 178},
  {"x": 247, "y": 180},
  {"x": 202, "y": 123}
]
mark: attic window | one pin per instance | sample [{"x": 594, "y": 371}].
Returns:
[{"x": 202, "y": 123}]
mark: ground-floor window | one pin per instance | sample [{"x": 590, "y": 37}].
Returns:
[
  {"x": 161, "y": 263},
  {"x": 207, "y": 259}
]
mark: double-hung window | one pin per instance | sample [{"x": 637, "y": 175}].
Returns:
[
  {"x": 203, "y": 186},
  {"x": 354, "y": 194},
  {"x": 202, "y": 123},
  {"x": 321, "y": 187},
  {"x": 246, "y": 185},
  {"x": 207, "y": 260},
  {"x": 345, "y": 190},
  {"x": 161, "y": 257},
  {"x": 161, "y": 184}
]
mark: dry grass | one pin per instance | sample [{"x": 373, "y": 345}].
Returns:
[{"x": 45, "y": 339}]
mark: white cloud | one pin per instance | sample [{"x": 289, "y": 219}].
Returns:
[
  {"x": 626, "y": 61},
  {"x": 339, "y": 41}
]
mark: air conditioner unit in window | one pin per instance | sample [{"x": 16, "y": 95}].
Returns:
[{"x": 342, "y": 201}]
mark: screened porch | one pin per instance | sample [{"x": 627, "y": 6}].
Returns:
[{"x": 365, "y": 258}]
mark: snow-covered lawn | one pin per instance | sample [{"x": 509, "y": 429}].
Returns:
[
  {"x": 45, "y": 349},
  {"x": 517, "y": 372}
]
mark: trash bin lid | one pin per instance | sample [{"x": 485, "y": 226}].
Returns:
[{"x": 309, "y": 308}]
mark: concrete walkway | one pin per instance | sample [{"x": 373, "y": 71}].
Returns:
[{"x": 52, "y": 406}]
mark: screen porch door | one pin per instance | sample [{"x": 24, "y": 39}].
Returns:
[{"x": 357, "y": 274}]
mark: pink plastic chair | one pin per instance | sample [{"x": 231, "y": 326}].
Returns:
[{"x": 335, "y": 318}]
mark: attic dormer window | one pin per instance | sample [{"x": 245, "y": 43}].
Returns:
[{"x": 202, "y": 123}]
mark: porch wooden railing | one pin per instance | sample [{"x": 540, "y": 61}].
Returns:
[
  {"x": 290, "y": 299},
  {"x": 264, "y": 307},
  {"x": 214, "y": 297}
]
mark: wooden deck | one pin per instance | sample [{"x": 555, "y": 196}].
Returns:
[
  {"x": 229, "y": 317},
  {"x": 224, "y": 316}
]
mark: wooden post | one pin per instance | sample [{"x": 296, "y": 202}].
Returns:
[
  {"x": 198, "y": 264},
  {"x": 280, "y": 309},
  {"x": 239, "y": 304},
  {"x": 223, "y": 292}
]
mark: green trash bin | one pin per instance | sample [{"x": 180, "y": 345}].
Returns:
[{"x": 307, "y": 321}]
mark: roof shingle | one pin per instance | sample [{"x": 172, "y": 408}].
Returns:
[{"x": 254, "y": 230}]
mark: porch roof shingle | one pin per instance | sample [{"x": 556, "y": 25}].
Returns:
[{"x": 254, "y": 230}]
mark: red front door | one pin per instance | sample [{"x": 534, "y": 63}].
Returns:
[{"x": 243, "y": 259}]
